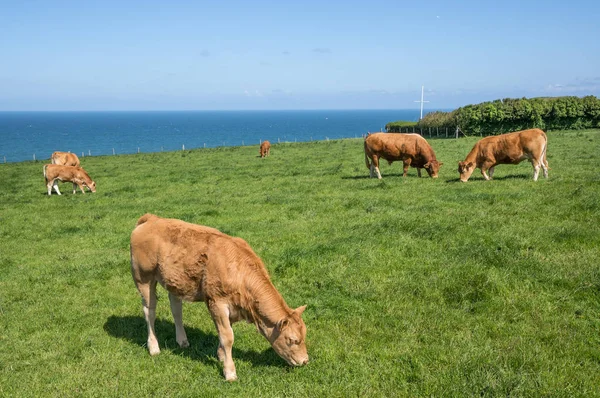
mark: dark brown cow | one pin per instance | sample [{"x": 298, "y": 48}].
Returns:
[
  {"x": 198, "y": 263},
  {"x": 412, "y": 149},
  {"x": 78, "y": 176},
  {"x": 510, "y": 148},
  {"x": 265, "y": 149},
  {"x": 65, "y": 159}
]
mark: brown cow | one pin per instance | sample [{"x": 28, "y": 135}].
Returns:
[
  {"x": 78, "y": 176},
  {"x": 65, "y": 159},
  {"x": 510, "y": 148},
  {"x": 412, "y": 149},
  {"x": 198, "y": 263},
  {"x": 265, "y": 149}
]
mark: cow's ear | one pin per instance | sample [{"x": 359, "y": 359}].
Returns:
[
  {"x": 440, "y": 163},
  {"x": 282, "y": 324},
  {"x": 470, "y": 165},
  {"x": 427, "y": 165},
  {"x": 300, "y": 310}
]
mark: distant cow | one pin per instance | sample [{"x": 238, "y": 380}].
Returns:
[
  {"x": 510, "y": 148},
  {"x": 412, "y": 149},
  {"x": 78, "y": 176},
  {"x": 65, "y": 159},
  {"x": 198, "y": 263},
  {"x": 265, "y": 149}
]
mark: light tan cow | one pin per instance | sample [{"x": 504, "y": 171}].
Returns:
[
  {"x": 198, "y": 263},
  {"x": 412, "y": 149},
  {"x": 78, "y": 176},
  {"x": 65, "y": 159},
  {"x": 510, "y": 148},
  {"x": 265, "y": 149}
]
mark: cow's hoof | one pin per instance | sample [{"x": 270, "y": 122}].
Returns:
[
  {"x": 153, "y": 349},
  {"x": 230, "y": 376},
  {"x": 184, "y": 344}
]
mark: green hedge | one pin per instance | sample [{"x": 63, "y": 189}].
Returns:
[{"x": 501, "y": 116}]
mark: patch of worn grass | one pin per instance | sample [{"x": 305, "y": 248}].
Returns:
[{"x": 415, "y": 287}]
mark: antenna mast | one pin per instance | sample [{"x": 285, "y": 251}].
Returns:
[{"x": 422, "y": 101}]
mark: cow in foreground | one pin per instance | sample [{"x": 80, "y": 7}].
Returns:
[
  {"x": 198, "y": 263},
  {"x": 65, "y": 159},
  {"x": 265, "y": 149},
  {"x": 78, "y": 176},
  {"x": 510, "y": 148},
  {"x": 412, "y": 149}
]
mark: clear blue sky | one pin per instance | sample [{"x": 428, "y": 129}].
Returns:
[{"x": 160, "y": 55}]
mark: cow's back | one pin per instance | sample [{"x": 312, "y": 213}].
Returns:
[
  {"x": 393, "y": 146},
  {"x": 190, "y": 260},
  {"x": 511, "y": 147}
]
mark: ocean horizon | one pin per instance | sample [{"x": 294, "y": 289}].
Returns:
[{"x": 29, "y": 135}]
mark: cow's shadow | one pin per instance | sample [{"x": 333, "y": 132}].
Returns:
[
  {"x": 203, "y": 346},
  {"x": 383, "y": 176},
  {"x": 506, "y": 177}
]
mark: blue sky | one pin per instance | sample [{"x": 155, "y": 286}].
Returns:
[{"x": 181, "y": 55}]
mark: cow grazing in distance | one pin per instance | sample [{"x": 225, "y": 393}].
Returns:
[
  {"x": 65, "y": 159},
  {"x": 78, "y": 176},
  {"x": 265, "y": 149},
  {"x": 510, "y": 148},
  {"x": 198, "y": 263},
  {"x": 412, "y": 149}
]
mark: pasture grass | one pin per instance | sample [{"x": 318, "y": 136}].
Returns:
[{"x": 414, "y": 287}]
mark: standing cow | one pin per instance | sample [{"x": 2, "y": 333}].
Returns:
[
  {"x": 412, "y": 149},
  {"x": 510, "y": 148},
  {"x": 65, "y": 159},
  {"x": 265, "y": 149},
  {"x": 198, "y": 263},
  {"x": 78, "y": 176}
]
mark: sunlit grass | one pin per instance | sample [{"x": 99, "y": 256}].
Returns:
[{"x": 415, "y": 287}]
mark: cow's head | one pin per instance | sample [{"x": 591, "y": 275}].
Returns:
[
  {"x": 465, "y": 169},
  {"x": 91, "y": 186},
  {"x": 289, "y": 338},
  {"x": 433, "y": 167}
]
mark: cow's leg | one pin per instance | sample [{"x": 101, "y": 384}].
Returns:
[
  {"x": 376, "y": 164},
  {"x": 484, "y": 169},
  {"x": 55, "y": 185},
  {"x": 536, "y": 170},
  {"x": 74, "y": 188},
  {"x": 406, "y": 163},
  {"x": 220, "y": 315},
  {"x": 49, "y": 186},
  {"x": 176, "y": 310},
  {"x": 419, "y": 172},
  {"x": 81, "y": 187},
  {"x": 491, "y": 172},
  {"x": 148, "y": 292},
  {"x": 372, "y": 170}
]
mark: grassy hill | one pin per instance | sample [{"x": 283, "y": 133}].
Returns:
[{"x": 414, "y": 287}]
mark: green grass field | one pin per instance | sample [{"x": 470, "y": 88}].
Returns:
[{"x": 414, "y": 287}]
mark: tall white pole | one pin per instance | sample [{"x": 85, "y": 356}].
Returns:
[{"x": 422, "y": 100}]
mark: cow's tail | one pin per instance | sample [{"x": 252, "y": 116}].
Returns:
[
  {"x": 543, "y": 159},
  {"x": 45, "y": 177},
  {"x": 145, "y": 218},
  {"x": 367, "y": 155}
]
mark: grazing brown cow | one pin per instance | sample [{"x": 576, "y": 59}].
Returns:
[
  {"x": 78, "y": 176},
  {"x": 198, "y": 263},
  {"x": 412, "y": 149},
  {"x": 265, "y": 149},
  {"x": 510, "y": 148},
  {"x": 65, "y": 159}
]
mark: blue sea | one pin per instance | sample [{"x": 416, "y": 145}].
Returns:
[{"x": 24, "y": 135}]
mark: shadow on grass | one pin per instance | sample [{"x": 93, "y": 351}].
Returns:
[
  {"x": 508, "y": 177},
  {"x": 203, "y": 346},
  {"x": 383, "y": 177}
]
